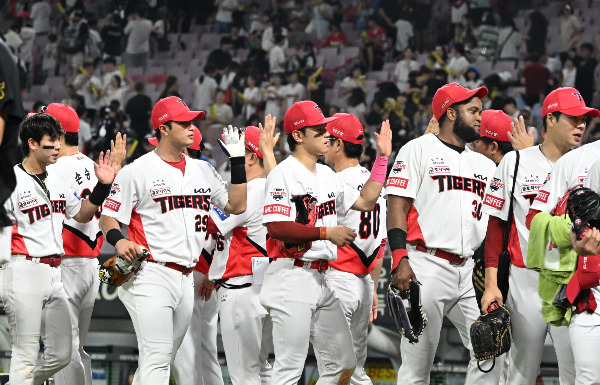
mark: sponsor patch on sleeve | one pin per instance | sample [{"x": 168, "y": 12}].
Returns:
[
  {"x": 493, "y": 201},
  {"x": 542, "y": 196},
  {"x": 277, "y": 209},
  {"x": 221, "y": 214},
  {"x": 397, "y": 182},
  {"x": 112, "y": 204}
]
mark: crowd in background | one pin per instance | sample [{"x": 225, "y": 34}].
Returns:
[{"x": 240, "y": 60}]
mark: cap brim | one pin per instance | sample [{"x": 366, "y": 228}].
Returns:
[
  {"x": 189, "y": 116},
  {"x": 153, "y": 141},
  {"x": 579, "y": 111},
  {"x": 479, "y": 92}
]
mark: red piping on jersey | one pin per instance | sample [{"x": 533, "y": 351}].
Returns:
[
  {"x": 292, "y": 232},
  {"x": 211, "y": 226},
  {"x": 414, "y": 234},
  {"x": 135, "y": 230},
  {"x": 17, "y": 245},
  {"x": 532, "y": 213},
  {"x": 239, "y": 261},
  {"x": 74, "y": 246}
]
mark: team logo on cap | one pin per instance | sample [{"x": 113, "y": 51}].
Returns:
[
  {"x": 492, "y": 133},
  {"x": 182, "y": 102},
  {"x": 445, "y": 103},
  {"x": 578, "y": 96},
  {"x": 319, "y": 108},
  {"x": 162, "y": 117}
]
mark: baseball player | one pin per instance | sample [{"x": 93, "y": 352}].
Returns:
[
  {"x": 353, "y": 275},
  {"x": 81, "y": 244},
  {"x": 435, "y": 192},
  {"x": 567, "y": 110},
  {"x": 303, "y": 200},
  {"x": 164, "y": 198},
  {"x": 32, "y": 291},
  {"x": 198, "y": 349},
  {"x": 563, "y": 132},
  {"x": 238, "y": 268}
]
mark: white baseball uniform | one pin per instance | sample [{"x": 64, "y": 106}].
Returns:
[
  {"x": 445, "y": 227},
  {"x": 523, "y": 302},
  {"x": 349, "y": 275},
  {"x": 79, "y": 267},
  {"x": 571, "y": 171},
  {"x": 166, "y": 211},
  {"x": 199, "y": 347},
  {"x": 301, "y": 303},
  {"x": 246, "y": 327},
  {"x": 32, "y": 291}
]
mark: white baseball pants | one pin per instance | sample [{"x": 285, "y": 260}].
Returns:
[
  {"x": 303, "y": 308},
  {"x": 447, "y": 291},
  {"x": 356, "y": 297},
  {"x": 584, "y": 331},
  {"x": 81, "y": 283},
  {"x": 528, "y": 332},
  {"x": 247, "y": 333},
  {"x": 160, "y": 302},
  {"x": 196, "y": 361},
  {"x": 37, "y": 307}
]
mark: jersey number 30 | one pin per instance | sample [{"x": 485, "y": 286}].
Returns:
[{"x": 369, "y": 221}]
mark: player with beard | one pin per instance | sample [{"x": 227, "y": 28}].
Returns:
[{"x": 435, "y": 191}]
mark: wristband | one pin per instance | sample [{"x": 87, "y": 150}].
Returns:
[
  {"x": 397, "y": 256},
  {"x": 397, "y": 239},
  {"x": 100, "y": 193},
  {"x": 322, "y": 233},
  {"x": 379, "y": 170},
  {"x": 113, "y": 236},
  {"x": 238, "y": 170}
]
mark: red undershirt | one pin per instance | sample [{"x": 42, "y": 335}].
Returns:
[{"x": 180, "y": 165}]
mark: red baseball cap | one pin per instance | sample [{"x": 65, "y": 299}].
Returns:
[
  {"x": 252, "y": 140},
  {"x": 568, "y": 101},
  {"x": 452, "y": 93},
  {"x": 346, "y": 127},
  {"x": 495, "y": 125},
  {"x": 173, "y": 109},
  {"x": 304, "y": 114},
  {"x": 66, "y": 116},
  {"x": 194, "y": 146}
]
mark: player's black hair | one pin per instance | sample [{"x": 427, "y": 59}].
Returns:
[
  {"x": 72, "y": 139},
  {"x": 455, "y": 107},
  {"x": 504, "y": 147},
  {"x": 556, "y": 114},
  {"x": 157, "y": 131},
  {"x": 36, "y": 127},
  {"x": 291, "y": 141},
  {"x": 351, "y": 150},
  {"x": 110, "y": 59}
]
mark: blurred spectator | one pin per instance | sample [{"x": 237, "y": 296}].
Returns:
[
  {"x": 458, "y": 9},
  {"x": 389, "y": 12},
  {"x": 160, "y": 32},
  {"x": 535, "y": 77},
  {"x": 439, "y": 78},
  {"x": 458, "y": 64},
  {"x": 374, "y": 40},
  {"x": 537, "y": 33},
  {"x": 110, "y": 70},
  {"x": 509, "y": 106},
  {"x": 293, "y": 91},
  {"x": 273, "y": 95},
  {"x": 171, "y": 88},
  {"x": 40, "y": 15},
  {"x": 297, "y": 36},
  {"x": 356, "y": 104},
  {"x": 205, "y": 87},
  {"x": 509, "y": 41},
  {"x": 472, "y": 79},
  {"x": 569, "y": 72},
  {"x": 50, "y": 56},
  {"x": 487, "y": 35},
  {"x": 272, "y": 30},
  {"x": 223, "y": 19},
  {"x": 112, "y": 35},
  {"x": 355, "y": 78},
  {"x": 277, "y": 57},
  {"x": 337, "y": 38},
  {"x": 138, "y": 31},
  {"x": 94, "y": 41},
  {"x": 73, "y": 42},
  {"x": 85, "y": 131},
  {"x": 27, "y": 35},
  {"x": 219, "y": 114},
  {"x": 570, "y": 30},
  {"x": 237, "y": 40},
  {"x": 88, "y": 86},
  {"x": 220, "y": 58},
  {"x": 139, "y": 108},
  {"x": 115, "y": 89},
  {"x": 404, "y": 34},
  {"x": 421, "y": 16},
  {"x": 438, "y": 58},
  {"x": 251, "y": 97},
  {"x": 584, "y": 79},
  {"x": 403, "y": 68},
  {"x": 322, "y": 14},
  {"x": 307, "y": 61},
  {"x": 253, "y": 18}
]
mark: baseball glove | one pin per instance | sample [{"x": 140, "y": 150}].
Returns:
[
  {"x": 306, "y": 214},
  {"x": 117, "y": 270},
  {"x": 583, "y": 207},
  {"x": 405, "y": 308},
  {"x": 490, "y": 335}
]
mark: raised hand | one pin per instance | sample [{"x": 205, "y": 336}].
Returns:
[
  {"x": 433, "y": 127},
  {"x": 268, "y": 138},
  {"x": 232, "y": 141},
  {"x": 519, "y": 136},
  {"x": 384, "y": 140},
  {"x": 118, "y": 148},
  {"x": 104, "y": 169}
]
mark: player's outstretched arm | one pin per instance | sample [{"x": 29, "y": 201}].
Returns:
[
  {"x": 398, "y": 208},
  {"x": 371, "y": 190},
  {"x": 105, "y": 174},
  {"x": 519, "y": 136},
  {"x": 112, "y": 233},
  {"x": 232, "y": 144},
  {"x": 268, "y": 142}
]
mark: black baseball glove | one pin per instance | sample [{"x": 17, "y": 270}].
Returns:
[
  {"x": 490, "y": 334},
  {"x": 405, "y": 308},
  {"x": 583, "y": 207}
]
